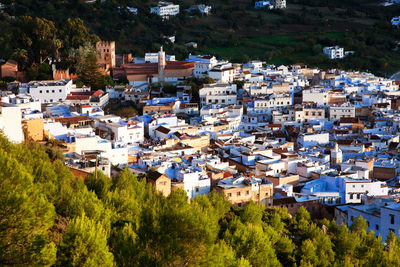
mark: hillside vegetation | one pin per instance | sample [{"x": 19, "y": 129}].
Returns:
[
  {"x": 48, "y": 217},
  {"x": 234, "y": 30}
]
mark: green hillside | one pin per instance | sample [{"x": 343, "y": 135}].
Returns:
[{"x": 234, "y": 30}]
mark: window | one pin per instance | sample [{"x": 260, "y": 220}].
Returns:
[
  {"x": 377, "y": 227},
  {"x": 238, "y": 193},
  {"x": 47, "y": 91},
  {"x": 247, "y": 192},
  {"x": 40, "y": 91},
  {"x": 358, "y": 196},
  {"x": 354, "y": 186},
  {"x": 53, "y": 91},
  {"x": 352, "y": 218},
  {"x": 197, "y": 189},
  {"x": 229, "y": 194},
  {"x": 60, "y": 91},
  {"x": 391, "y": 218}
]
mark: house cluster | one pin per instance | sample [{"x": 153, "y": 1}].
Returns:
[
  {"x": 336, "y": 52},
  {"x": 273, "y": 4},
  {"x": 169, "y": 9},
  {"x": 282, "y": 136}
]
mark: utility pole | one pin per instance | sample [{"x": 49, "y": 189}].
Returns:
[{"x": 95, "y": 168}]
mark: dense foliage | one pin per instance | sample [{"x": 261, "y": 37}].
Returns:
[
  {"x": 48, "y": 217},
  {"x": 35, "y": 42},
  {"x": 33, "y": 30}
]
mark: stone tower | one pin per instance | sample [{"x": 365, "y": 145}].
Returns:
[
  {"x": 106, "y": 55},
  {"x": 161, "y": 65},
  {"x": 336, "y": 156}
]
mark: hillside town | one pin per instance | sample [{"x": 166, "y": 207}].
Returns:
[{"x": 281, "y": 136}]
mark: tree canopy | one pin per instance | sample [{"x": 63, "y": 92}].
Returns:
[{"x": 49, "y": 217}]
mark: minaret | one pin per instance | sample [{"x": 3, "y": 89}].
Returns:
[
  {"x": 161, "y": 66},
  {"x": 336, "y": 156}
]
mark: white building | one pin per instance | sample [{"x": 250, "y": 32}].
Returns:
[
  {"x": 313, "y": 139},
  {"x": 318, "y": 96},
  {"x": 126, "y": 132},
  {"x": 255, "y": 65},
  {"x": 344, "y": 190},
  {"x": 355, "y": 188},
  {"x": 165, "y": 9},
  {"x": 116, "y": 92},
  {"x": 202, "y": 65},
  {"x": 99, "y": 99},
  {"x": 10, "y": 122},
  {"x": 24, "y": 101},
  {"x": 341, "y": 111},
  {"x": 309, "y": 114},
  {"x": 218, "y": 93},
  {"x": 55, "y": 130},
  {"x": 153, "y": 57},
  {"x": 194, "y": 180},
  {"x": 270, "y": 103},
  {"x": 334, "y": 52},
  {"x": 382, "y": 216},
  {"x": 258, "y": 88},
  {"x": 116, "y": 153},
  {"x": 50, "y": 91},
  {"x": 223, "y": 73},
  {"x": 163, "y": 120}
]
